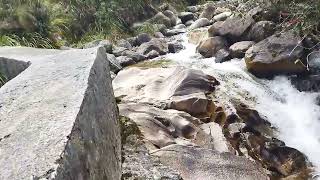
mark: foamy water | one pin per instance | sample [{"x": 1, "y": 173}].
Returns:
[{"x": 294, "y": 113}]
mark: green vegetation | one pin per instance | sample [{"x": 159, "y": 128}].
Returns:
[
  {"x": 52, "y": 23},
  {"x": 301, "y": 16},
  {"x": 3, "y": 79}
]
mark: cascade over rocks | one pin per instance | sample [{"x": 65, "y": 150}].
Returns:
[{"x": 278, "y": 54}]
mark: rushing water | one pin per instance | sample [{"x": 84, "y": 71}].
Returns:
[{"x": 295, "y": 114}]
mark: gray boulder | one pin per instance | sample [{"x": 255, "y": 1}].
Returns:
[
  {"x": 125, "y": 61},
  {"x": 261, "y": 30},
  {"x": 233, "y": 28},
  {"x": 175, "y": 47},
  {"x": 137, "y": 57},
  {"x": 209, "y": 47},
  {"x": 238, "y": 50},
  {"x": 158, "y": 45},
  {"x": 114, "y": 64},
  {"x": 278, "y": 54},
  {"x": 180, "y": 26},
  {"x": 200, "y": 23},
  {"x": 57, "y": 114},
  {"x": 173, "y": 32},
  {"x": 222, "y": 55},
  {"x": 152, "y": 54},
  {"x": 118, "y": 51},
  {"x": 124, "y": 43},
  {"x": 189, "y": 23},
  {"x": 222, "y": 16}
]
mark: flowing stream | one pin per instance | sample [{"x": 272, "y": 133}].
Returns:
[{"x": 295, "y": 114}]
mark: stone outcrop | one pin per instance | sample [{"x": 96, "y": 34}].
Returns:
[
  {"x": 176, "y": 88},
  {"x": 58, "y": 117},
  {"x": 278, "y": 54}
]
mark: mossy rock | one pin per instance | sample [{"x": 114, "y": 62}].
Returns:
[{"x": 163, "y": 63}]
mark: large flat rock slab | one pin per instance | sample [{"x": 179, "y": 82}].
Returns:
[
  {"x": 58, "y": 117},
  {"x": 207, "y": 164}
]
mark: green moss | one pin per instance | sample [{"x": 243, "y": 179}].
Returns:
[
  {"x": 128, "y": 127},
  {"x": 3, "y": 79},
  {"x": 163, "y": 63}
]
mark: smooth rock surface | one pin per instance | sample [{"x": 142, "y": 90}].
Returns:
[
  {"x": 58, "y": 118},
  {"x": 200, "y": 23},
  {"x": 200, "y": 163},
  {"x": 176, "y": 88}
]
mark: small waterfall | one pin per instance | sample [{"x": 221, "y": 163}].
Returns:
[{"x": 295, "y": 114}]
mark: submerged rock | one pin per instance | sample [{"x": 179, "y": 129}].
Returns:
[{"x": 278, "y": 54}]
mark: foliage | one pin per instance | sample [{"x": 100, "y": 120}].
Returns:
[
  {"x": 301, "y": 16},
  {"x": 2, "y": 79}
]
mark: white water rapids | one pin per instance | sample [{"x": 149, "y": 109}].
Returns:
[{"x": 294, "y": 113}]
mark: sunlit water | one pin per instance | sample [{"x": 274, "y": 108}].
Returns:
[{"x": 294, "y": 113}]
